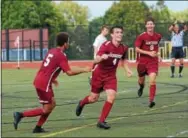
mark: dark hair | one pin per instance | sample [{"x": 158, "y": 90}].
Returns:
[
  {"x": 149, "y": 19},
  {"x": 114, "y": 27},
  {"x": 104, "y": 26},
  {"x": 62, "y": 38}
]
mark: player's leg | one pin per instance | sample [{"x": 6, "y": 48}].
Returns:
[
  {"x": 92, "y": 98},
  {"x": 111, "y": 95},
  {"x": 181, "y": 56},
  {"x": 48, "y": 108},
  {"x": 172, "y": 67},
  {"x": 181, "y": 67},
  {"x": 141, "y": 69},
  {"x": 152, "y": 91},
  {"x": 141, "y": 82},
  {"x": 46, "y": 98}
]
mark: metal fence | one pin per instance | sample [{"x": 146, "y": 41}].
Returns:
[{"x": 81, "y": 41}]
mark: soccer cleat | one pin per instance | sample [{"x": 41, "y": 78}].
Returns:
[
  {"x": 103, "y": 125},
  {"x": 17, "y": 118},
  {"x": 180, "y": 75},
  {"x": 172, "y": 76},
  {"x": 38, "y": 129},
  {"x": 140, "y": 92},
  {"x": 152, "y": 104},
  {"x": 79, "y": 109}
]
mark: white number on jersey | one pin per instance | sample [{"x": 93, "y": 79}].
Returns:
[
  {"x": 46, "y": 63},
  {"x": 115, "y": 61}
]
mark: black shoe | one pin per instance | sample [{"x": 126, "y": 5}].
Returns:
[
  {"x": 79, "y": 109},
  {"x": 38, "y": 129},
  {"x": 152, "y": 104},
  {"x": 89, "y": 79},
  {"x": 172, "y": 76},
  {"x": 17, "y": 118},
  {"x": 180, "y": 76},
  {"x": 140, "y": 92},
  {"x": 103, "y": 125}
]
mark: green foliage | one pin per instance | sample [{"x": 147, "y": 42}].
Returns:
[{"x": 73, "y": 13}]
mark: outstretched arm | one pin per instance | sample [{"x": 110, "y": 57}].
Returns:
[{"x": 78, "y": 71}]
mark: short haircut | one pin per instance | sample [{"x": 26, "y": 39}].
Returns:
[
  {"x": 114, "y": 27},
  {"x": 149, "y": 19},
  {"x": 103, "y": 27},
  {"x": 62, "y": 38}
]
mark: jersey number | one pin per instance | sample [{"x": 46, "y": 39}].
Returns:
[
  {"x": 46, "y": 63},
  {"x": 115, "y": 61}
]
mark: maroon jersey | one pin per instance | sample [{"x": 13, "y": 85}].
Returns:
[
  {"x": 53, "y": 63},
  {"x": 148, "y": 43},
  {"x": 109, "y": 66}
]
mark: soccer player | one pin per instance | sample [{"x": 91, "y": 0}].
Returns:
[
  {"x": 147, "y": 49},
  {"x": 54, "y": 62},
  {"x": 104, "y": 74},
  {"x": 177, "y": 47},
  {"x": 99, "y": 40}
]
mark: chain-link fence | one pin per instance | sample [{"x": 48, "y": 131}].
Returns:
[{"x": 81, "y": 41}]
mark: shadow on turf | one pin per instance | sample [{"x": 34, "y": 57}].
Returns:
[{"x": 110, "y": 117}]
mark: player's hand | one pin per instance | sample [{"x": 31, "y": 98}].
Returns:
[
  {"x": 129, "y": 73},
  {"x": 104, "y": 56},
  {"x": 56, "y": 83},
  {"x": 87, "y": 69},
  {"x": 153, "y": 54}
]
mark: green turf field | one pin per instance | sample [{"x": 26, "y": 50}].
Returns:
[{"x": 129, "y": 117}]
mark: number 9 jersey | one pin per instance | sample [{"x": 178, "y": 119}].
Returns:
[{"x": 54, "y": 61}]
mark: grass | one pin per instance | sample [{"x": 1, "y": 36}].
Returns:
[{"x": 130, "y": 115}]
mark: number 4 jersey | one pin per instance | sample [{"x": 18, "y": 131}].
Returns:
[
  {"x": 108, "y": 67},
  {"x": 53, "y": 63}
]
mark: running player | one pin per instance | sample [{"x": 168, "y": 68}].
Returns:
[
  {"x": 147, "y": 46},
  {"x": 104, "y": 74},
  {"x": 54, "y": 62}
]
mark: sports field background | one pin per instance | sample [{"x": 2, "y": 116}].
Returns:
[{"x": 130, "y": 115}]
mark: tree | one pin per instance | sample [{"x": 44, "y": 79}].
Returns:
[
  {"x": 129, "y": 14},
  {"x": 73, "y": 13},
  {"x": 181, "y": 16},
  {"x": 30, "y": 14}
]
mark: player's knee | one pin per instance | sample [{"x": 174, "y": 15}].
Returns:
[
  {"x": 111, "y": 98},
  {"x": 93, "y": 98},
  {"x": 152, "y": 82}
]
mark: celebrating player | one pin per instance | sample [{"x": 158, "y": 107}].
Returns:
[
  {"x": 104, "y": 74},
  {"x": 53, "y": 63},
  {"x": 147, "y": 48}
]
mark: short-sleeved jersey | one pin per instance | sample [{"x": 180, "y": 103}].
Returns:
[
  {"x": 99, "y": 40},
  {"x": 148, "y": 43},
  {"x": 54, "y": 61},
  {"x": 110, "y": 65}
]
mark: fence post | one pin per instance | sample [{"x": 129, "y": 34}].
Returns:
[
  {"x": 33, "y": 50},
  {"x": 30, "y": 45},
  {"x": 7, "y": 44},
  {"x": 41, "y": 43}
]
